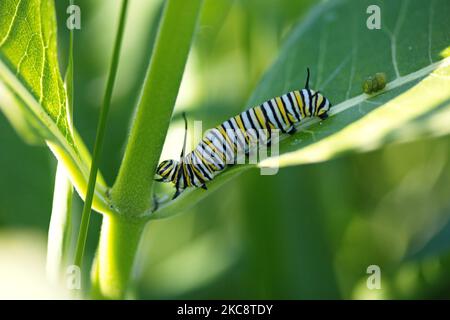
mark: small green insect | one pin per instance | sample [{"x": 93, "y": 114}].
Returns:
[{"x": 374, "y": 83}]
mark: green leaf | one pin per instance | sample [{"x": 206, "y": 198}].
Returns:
[
  {"x": 28, "y": 49},
  {"x": 342, "y": 52},
  {"x": 32, "y": 93},
  {"x": 411, "y": 48},
  {"x": 22, "y": 120}
]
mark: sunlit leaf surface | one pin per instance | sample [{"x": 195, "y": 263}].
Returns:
[
  {"x": 28, "y": 51},
  {"x": 32, "y": 93}
]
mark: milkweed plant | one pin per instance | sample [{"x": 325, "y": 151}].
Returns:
[{"x": 37, "y": 99}]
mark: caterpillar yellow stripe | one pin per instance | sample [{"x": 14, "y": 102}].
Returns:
[{"x": 222, "y": 145}]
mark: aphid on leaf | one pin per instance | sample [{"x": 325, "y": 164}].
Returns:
[{"x": 374, "y": 83}]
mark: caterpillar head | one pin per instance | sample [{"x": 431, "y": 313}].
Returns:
[
  {"x": 166, "y": 169},
  {"x": 320, "y": 104}
]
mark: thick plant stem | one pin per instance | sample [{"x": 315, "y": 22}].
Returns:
[
  {"x": 131, "y": 193},
  {"x": 119, "y": 240}
]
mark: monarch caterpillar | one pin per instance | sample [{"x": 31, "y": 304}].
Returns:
[
  {"x": 374, "y": 83},
  {"x": 221, "y": 144}
]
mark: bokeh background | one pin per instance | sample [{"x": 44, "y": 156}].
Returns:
[{"x": 309, "y": 232}]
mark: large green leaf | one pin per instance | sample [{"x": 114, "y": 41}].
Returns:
[
  {"x": 32, "y": 93},
  {"x": 28, "y": 50},
  {"x": 411, "y": 48}
]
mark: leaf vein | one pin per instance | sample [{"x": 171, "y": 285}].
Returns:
[
  {"x": 44, "y": 53},
  {"x": 321, "y": 62},
  {"x": 430, "y": 31},
  {"x": 11, "y": 24},
  {"x": 353, "y": 59},
  {"x": 398, "y": 25},
  {"x": 335, "y": 72},
  {"x": 25, "y": 54}
]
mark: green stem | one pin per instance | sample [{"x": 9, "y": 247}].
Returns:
[
  {"x": 119, "y": 240},
  {"x": 131, "y": 193},
  {"x": 99, "y": 138},
  {"x": 60, "y": 228}
]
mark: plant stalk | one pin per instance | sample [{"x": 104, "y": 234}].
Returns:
[
  {"x": 60, "y": 228},
  {"x": 131, "y": 193},
  {"x": 101, "y": 128},
  {"x": 119, "y": 241}
]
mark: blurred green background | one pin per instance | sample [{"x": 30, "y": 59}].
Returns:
[{"x": 308, "y": 232}]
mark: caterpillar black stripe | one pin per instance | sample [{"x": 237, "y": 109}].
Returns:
[{"x": 222, "y": 145}]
